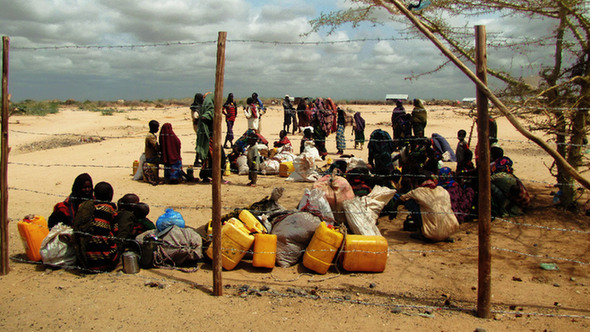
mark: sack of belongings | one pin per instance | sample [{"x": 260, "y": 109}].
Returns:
[
  {"x": 169, "y": 218},
  {"x": 174, "y": 246},
  {"x": 358, "y": 220},
  {"x": 57, "y": 249},
  {"x": 242, "y": 162},
  {"x": 304, "y": 169},
  {"x": 337, "y": 190},
  {"x": 270, "y": 167},
  {"x": 293, "y": 231},
  {"x": 315, "y": 200},
  {"x": 376, "y": 200}
]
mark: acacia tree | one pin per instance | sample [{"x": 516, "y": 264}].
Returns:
[{"x": 563, "y": 92}]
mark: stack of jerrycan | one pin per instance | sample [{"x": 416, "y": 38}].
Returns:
[
  {"x": 265, "y": 245},
  {"x": 237, "y": 238},
  {"x": 322, "y": 248},
  {"x": 364, "y": 253},
  {"x": 32, "y": 230},
  {"x": 235, "y": 242}
]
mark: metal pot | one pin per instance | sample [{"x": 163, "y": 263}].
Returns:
[{"x": 130, "y": 262}]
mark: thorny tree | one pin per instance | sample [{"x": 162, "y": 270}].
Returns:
[{"x": 563, "y": 90}]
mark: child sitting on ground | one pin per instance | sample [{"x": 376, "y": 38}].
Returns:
[
  {"x": 94, "y": 230},
  {"x": 307, "y": 137},
  {"x": 143, "y": 223},
  {"x": 283, "y": 139}
]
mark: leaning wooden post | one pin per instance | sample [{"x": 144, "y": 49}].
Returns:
[
  {"x": 559, "y": 159},
  {"x": 216, "y": 167},
  {"x": 4, "y": 161},
  {"x": 484, "y": 289}
]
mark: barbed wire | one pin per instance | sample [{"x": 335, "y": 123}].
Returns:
[
  {"x": 294, "y": 293},
  {"x": 274, "y": 136},
  {"x": 319, "y": 170},
  {"x": 542, "y": 227},
  {"x": 389, "y": 251},
  {"x": 383, "y": 212},
  {"x": 407, "y": 111},
  {"x": 495, "y": 39}
]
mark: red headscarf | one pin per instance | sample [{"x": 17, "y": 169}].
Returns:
[{"x": 170, "y": 145}]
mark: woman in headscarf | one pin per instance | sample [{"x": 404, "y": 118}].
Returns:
[
  {"x": 461, "y": 198},
  {"x": 320, "y": 133},
  {"x": 397, "y": 123},
  {"x": 418, "y": 119},
  {"x": 229, "y": 110},
  {"x": 302, "y": 120},
  {"x": 64, "y": 212},
  {"x": 195, "y": 111},
  {"x": 204, "y": 148},
  {"x": 358, "y": 129},
  {"x": 340, "y": 139},
  {"x": 170, "y": 145},
  {"x": 330, "y": 105},
  {"x": 509, "y": 195}
]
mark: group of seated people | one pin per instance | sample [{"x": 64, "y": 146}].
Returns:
[
  {"x": 102, "y": 230},
  {"x": 428, "y": 189}
]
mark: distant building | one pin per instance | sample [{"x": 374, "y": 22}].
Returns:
[
  {"x": 468, "y": 100},
  {"x": 396, "y": 97}
]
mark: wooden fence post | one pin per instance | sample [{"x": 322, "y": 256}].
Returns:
[
  {"x": 216, "y": 167},
  {"x": 483, "y": 169},
  {"x": 4, "y": 161}
]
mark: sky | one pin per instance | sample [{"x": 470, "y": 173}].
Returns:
[{"x": 53, "y": 53}]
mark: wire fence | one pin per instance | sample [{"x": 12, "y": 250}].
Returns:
[
  {"x": 394, "y": 303},
  {"x": 457, "y": 248}
]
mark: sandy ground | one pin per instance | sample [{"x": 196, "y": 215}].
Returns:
[{"x": 424, "y": 286}]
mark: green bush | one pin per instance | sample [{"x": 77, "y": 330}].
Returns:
[{"x": 31, "y": 107}]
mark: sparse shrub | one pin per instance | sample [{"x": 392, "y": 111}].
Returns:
[{"x": 32, "y": 107}]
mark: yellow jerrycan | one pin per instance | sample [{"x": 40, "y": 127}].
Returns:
[
  {"x": 251, "y": 222},
  {"x": 322, "y": 249},
  {"x": 265, "y": 250},
  {"x": 32, "y": 232},
  {"x": 364, "y": 253},
  {"x": 234, "y": 245}
]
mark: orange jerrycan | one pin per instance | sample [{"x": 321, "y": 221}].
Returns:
[
  {"x": 32, "y": 232},
  {"x": 364, "y": 253},
  {"x": 265, "y": 250},
  {"x": 323, "y": 247},
  {"x": 251, "y": 222},
  {"x": 234, "y": 245}
]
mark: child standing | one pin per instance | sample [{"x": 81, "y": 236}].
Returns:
[
  {"x": 229, "y": 110},
  {"x": 462, "y": 147},
  {"x": 252, "y": 114}
]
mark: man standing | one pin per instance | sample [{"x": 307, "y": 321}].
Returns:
[{"x": 288, "y": 116}]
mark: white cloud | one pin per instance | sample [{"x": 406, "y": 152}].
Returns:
[{"x": 358, "y": 70}]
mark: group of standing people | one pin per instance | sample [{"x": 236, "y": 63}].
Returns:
[
  {"x": 322, "y": 117},
  {"x": 163, "y": 149}
]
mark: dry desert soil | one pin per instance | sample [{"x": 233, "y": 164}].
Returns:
[{"x": 425, "y": 287}]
